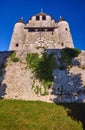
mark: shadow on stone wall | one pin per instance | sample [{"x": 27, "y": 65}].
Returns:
[
  {"x": 68, "y": 86},
  {"x": 75, "y": 109},
  {"x": 70, "y": 93},
  {"x": 3, "y": 61}
]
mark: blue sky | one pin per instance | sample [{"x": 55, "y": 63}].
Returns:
[{"x": 71, "y": 10}]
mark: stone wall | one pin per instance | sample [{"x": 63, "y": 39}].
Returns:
[{"x": 16, "y": 79}]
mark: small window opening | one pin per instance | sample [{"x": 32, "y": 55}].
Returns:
[
  {"x": 17, "y": 45},
  {"x": 62, "y": 44},
  {"x": 41, "y": 30},
  {"x": 66, "y": 29},
  {"x": 43, "y": 17},
  {"x": 31, "y": 30},
  {"x": 50, "y": 29},
  {"x": 37, "y": 18}
]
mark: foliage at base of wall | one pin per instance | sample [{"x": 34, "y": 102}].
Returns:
[
  {"x": 39, "y": 89},
  {"x": 1, "y": 72},
  {"x": 13, "y": 57},
  {"x": 42, "y": 67},
  {"x": 2, "y": 67},
  {"x": 67, "y": 54}
]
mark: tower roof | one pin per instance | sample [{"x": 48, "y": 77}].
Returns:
[
  {"x": 21, "y": 20},
  {"x": 41, "y": 14},
  {"x": 61, "y": 19}
]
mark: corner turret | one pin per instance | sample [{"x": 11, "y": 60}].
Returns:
[
  {"x": 17, "y": 39},
  {"x": 65, "y": 38}
]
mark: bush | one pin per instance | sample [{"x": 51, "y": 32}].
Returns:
[
  {"x": 14, "y": 58},
  {"x": 67, "y": 54},
  {"x": 62, "y": 67},
  {"x": 3, "y": 65},
  {"x": 70, "y": 52},
  {"x": 1, "y": 72},
  {"x": 33, "y": 60},
  {"x": 42, "y": 67}
]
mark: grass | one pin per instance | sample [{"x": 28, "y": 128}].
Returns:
[{"x": 30, "y": 115}]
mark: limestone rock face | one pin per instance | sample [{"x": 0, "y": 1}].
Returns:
[{"x": 16, "y": 79}]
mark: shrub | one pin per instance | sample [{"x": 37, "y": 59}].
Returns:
[
  {"x": 62, "y": 67},
  {"x": 33, "y": 60},
  {"x": 67, "y": 54},
  {"x": 3, "y": 65},
  {"x": 45, "y": 93},
  {"x": 14, "y": 58},
  {"x": 1, "y": 72},
  {"x": 42, "y": 67},
  {"x": 71, "y": 52}
]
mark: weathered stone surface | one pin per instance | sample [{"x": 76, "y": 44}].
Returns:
[
  {"x": 39, "y": 33},
  {"x": 16, "y": 80}
]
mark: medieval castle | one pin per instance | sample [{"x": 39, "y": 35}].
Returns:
[{"x": 41, "y": 31}]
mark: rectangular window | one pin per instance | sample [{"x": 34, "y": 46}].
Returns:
[
  {"x": 37, "y": 18},
  {"x": 62, "y": 44},
  {"x": 50, "y": 29},
  {"x": 31, "y": 30},
  {"x": 43, "y": 17}
]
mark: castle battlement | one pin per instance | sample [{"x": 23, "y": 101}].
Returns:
[{"x": 41, "y": 31}]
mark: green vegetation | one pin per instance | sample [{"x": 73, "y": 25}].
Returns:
[
  {"x": 62, "y": 67},
  {"x": 2, "y": 67},
  {"x": 67, "y": 54},
  {"x": 30, "y": 115},
  {"x": 42, "y": 68},
  {"x": 1, "y": 72},
  {"x": 13, "y": 57}
]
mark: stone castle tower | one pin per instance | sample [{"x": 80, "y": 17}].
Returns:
[{"x": 41, "y": 31}]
